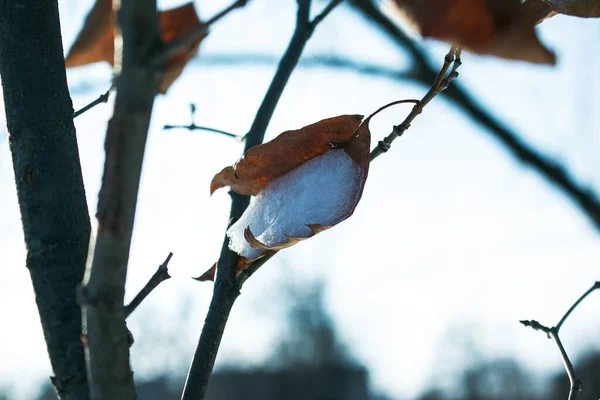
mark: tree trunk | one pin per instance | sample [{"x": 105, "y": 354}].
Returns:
[{"x": 48, "y": 178}]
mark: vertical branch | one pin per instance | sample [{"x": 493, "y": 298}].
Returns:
[
  {"x": 226, "y": 288},
  {"x": 48, "y": 179},
  {"x": 105, "y": 334}
]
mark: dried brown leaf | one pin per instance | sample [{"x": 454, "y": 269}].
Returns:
[
  {"x": 95, "y": 42},
  {"x": 263, "y": 163},
  {"x": 502, "y": 28}
]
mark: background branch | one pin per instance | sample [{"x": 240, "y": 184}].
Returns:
[
  {"x": 105, "y": 333},
  {"x": 193, "y": 127},
  {"x": 226, "y": 288}
]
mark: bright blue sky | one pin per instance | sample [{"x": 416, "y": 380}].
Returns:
[{"x": 451, "y": 232}]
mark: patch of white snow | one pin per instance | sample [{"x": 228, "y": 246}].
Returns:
[{"x": 322, "y": 191}]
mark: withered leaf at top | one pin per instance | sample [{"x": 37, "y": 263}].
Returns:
[{"x": 501, "y": 28}]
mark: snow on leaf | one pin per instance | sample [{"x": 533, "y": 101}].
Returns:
[
  {"x": 305, "y": 182},
  {"x": 261, "y": 164},
  {"x": 96, "y": 41},
  {"x": 502, "y": 28}
]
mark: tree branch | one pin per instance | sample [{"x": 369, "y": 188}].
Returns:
[
  {"x": 161, "y": 275},
  {"x": 193, "y": 127},
  {"x": 103, "y": 98},
  {"x": 548, "y": 168},
  {"x": 314, "y": 61},
  {"x": 442, "y": 81},
  {"x": 553, "y": 333},
  {"x": 48, "y": 179},
  {"x": 226, "y": 287},
  {"x": 105, "y": 334}
]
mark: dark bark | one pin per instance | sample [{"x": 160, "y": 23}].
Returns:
[{"x": 48, "y": 178}]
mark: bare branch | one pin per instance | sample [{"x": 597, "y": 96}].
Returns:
[
  {"x": 161, "y": 275},
  {"x": 103, "y": 98},
  {"x": 315, "y": 61},
  {"x": 226, "y": 289},
  {"x": 583, "y": 296},
  {"x": 193, "y": 127},
  {"x": 105, "y": 335},
  {"x": 441, "y": 82},
  {"x": 326, "y": 11},
  {"x": 553, "y": 333},
  {"x": 576, "y": 384}
]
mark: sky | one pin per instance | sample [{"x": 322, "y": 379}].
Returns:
[{"x": 452, "y": 238}]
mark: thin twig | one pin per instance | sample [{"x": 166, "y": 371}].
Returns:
[
  {"x": 576, "y": 385},
  {"x": 441, "y": 82},
  {"x": 103, "y": 98},
  {"x": 553, "y": 333},
  {"x": 337, "y": 62},
  {"x": 186, "y": 40},
  {"x": 226, "y": 288},
  {"x": 326, "y": 11},
  {"x": 583, "y": 296},
  {"x": 161, "y": 275},
  {"x": 193, "y": 127}
]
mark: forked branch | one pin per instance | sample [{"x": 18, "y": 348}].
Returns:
[{"x": 553, "y": 333}]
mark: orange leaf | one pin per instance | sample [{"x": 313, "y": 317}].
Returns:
[
  {"x": 306, "y": 181},
  {"x": 263, "y": 163},
  {"x": 96, "y": 40},
  {"x": 503, "y": 28}
]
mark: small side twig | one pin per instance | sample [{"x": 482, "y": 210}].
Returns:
[
  {"x": 553, "y": 333},
  {"x": 103, "y": 98},
  {"x": 186, "y": 40},
  {"x": 161, "y": 275},
  {"x": 442, "y": 81},
  {"x": 193, "y": 127}
]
